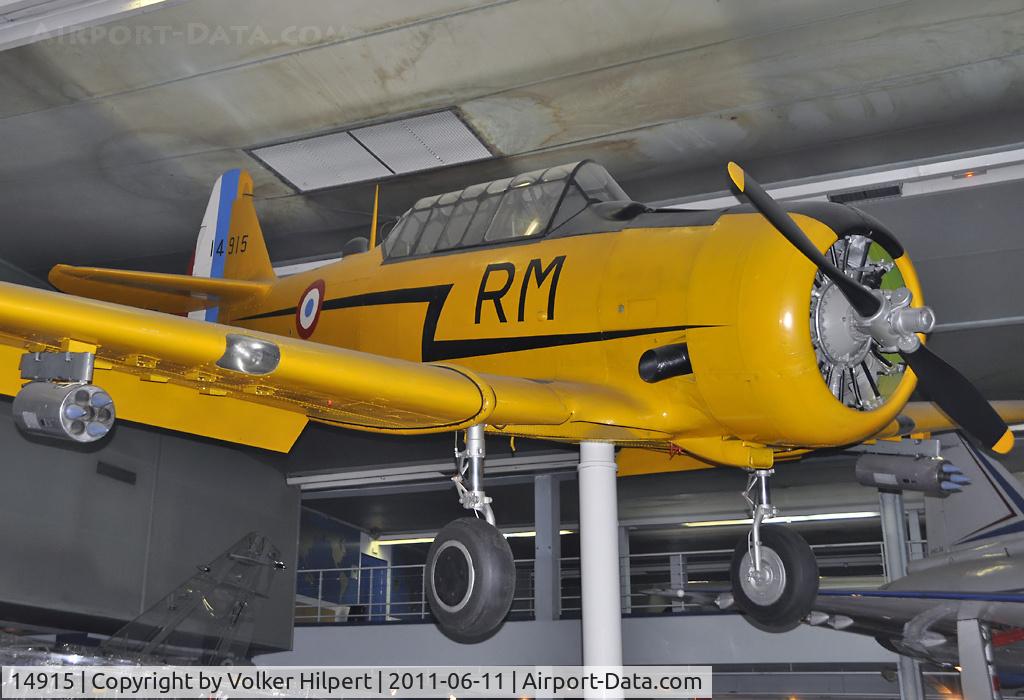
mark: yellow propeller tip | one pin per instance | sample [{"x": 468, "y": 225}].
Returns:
[
  {"x": 1005, "y": 443},
  {"x": 736, "y": 175}
]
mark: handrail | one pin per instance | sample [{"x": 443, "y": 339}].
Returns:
[{"x": 390, "y": 593}]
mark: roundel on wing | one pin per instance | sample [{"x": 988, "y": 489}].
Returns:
[{"x": 307, "y": 313}]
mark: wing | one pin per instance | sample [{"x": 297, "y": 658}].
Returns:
[
  {"x": 196, "y": 377},
  {"x": 925, "y": 417},
  {"x": 175, "y": 294},
  {"x": 919, "y": 623}
]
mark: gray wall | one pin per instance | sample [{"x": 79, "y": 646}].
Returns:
[{"x": 85, "y": 551}]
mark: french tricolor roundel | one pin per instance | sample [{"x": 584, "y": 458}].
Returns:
[{"x": 307, "y": 313}]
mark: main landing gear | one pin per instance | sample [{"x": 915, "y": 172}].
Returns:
[
  {"x": 470, "y": 575},
  {"x": 774, "y": 573}
]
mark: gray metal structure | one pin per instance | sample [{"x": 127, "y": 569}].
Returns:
[
  {"x": 973, "y": 572},
  {"x": 211, "y": 618},
  {"x": 99, "y": 533}
]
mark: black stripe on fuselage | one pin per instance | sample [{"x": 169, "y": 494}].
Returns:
[{"x": 434, "y": 350}]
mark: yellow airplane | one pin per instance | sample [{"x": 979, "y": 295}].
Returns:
[{"x": 547, "y": 305}]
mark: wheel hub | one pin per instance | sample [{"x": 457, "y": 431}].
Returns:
[
  {"x": 453, "y": 576},
  {"x": 764, "y": 586}
]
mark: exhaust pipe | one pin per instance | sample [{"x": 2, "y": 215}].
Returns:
[{"x": 662, "y": 363}]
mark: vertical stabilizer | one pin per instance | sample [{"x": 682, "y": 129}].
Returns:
[
  {"x": 230, "y": 243},
  {"x": 991, "y": 506}
]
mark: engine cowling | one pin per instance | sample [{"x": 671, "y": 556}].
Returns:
[{"x": 760, "y": 371}]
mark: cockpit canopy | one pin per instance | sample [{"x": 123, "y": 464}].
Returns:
[{"x": 530, "y": 205}]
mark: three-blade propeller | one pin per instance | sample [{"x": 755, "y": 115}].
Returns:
[{"x": 953, "y": 393}]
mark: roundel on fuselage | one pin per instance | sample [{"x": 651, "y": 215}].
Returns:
[{"x": 307, "y": 313}]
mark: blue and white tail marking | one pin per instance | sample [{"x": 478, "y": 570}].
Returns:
[
  {"x": 991, "y": 507},
  {"x": 213, "y": 233}
]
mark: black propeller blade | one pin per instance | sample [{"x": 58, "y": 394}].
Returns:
[
  {"x": 865, "y": 303},
  {"x": 959, "y": 399},
  {"x": 956, "y": 396}
]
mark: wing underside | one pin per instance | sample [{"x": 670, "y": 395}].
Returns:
[{"x": 922, "y": 623}]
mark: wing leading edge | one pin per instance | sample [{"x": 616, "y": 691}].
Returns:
[{"x": 150, "y": 361}]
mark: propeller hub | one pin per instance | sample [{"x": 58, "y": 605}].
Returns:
[{"x": 896, "y": 325}]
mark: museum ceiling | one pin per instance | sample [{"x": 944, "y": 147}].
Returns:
[{"x": 113, "y": 136}]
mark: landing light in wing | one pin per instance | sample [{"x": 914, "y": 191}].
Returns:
[{"x": 249, "y": 355}]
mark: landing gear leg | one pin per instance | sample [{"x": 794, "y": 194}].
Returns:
[
  {"x": 470, "y": 574},
  {"x": 471, "y": 460},
  {"x": 774, "y": 572}
]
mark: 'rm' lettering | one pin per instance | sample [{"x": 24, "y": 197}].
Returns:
[
  {"x": 541, "y": 275},
  {"x": 495, "y": 295},
  {"x": 494, "y": 290}
]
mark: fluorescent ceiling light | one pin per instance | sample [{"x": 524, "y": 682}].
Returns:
[
  {"x": 386, "y": 541},
  {"x": 861, "y": 515},
  {"x": 323, "y": 161},
  {"x": 531, "y": 533},
  {"x": 374, "y": 152},
  {"x": 421, "y": 143},
  {"x": 406, "y": 540}
]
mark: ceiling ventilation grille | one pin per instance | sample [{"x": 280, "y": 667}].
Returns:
[
  {"x": 374, "y": 152},
  {"x": 883, "y": 192}
]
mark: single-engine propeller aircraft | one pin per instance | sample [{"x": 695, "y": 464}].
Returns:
[{"x": 547, "y": 305}]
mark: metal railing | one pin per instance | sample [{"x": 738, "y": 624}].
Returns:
[{"x": 378, "y": 594}]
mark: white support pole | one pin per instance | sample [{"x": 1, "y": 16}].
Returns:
[{"x": 599, "y": 555}]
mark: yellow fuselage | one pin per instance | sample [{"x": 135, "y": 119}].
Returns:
[{"x": 584, "y": 309}]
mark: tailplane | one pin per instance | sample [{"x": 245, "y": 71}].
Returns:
[{"x": 231, "y": 270}]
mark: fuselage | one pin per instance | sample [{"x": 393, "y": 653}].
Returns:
[{"x": 584, "y": 308}]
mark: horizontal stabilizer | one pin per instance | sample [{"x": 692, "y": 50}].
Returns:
[{"x": 176, "y": 294}]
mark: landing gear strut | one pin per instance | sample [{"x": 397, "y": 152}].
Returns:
[
  {"x": 470, "y": 574},
  {"x": 774, "y": 572}
]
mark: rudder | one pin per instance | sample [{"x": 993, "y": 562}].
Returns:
[{"x": 230, "y": 243}]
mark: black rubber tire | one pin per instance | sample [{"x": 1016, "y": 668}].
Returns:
[
  {"x": 483, "y": 606},
  {"x": 801, "y": 587}
]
